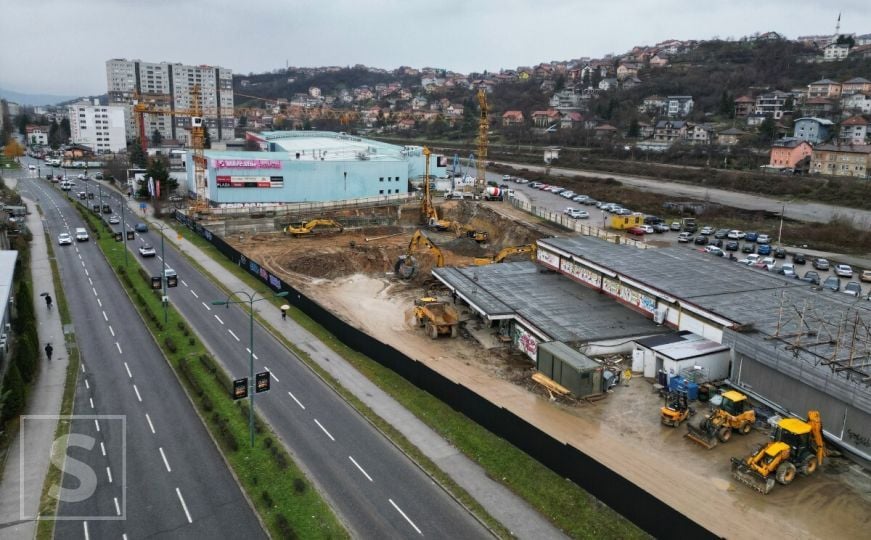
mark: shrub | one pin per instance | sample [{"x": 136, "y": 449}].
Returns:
[{"x": 170, "y": 344}]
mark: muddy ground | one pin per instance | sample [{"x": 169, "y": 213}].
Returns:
[{"x": 351, "y": 274}]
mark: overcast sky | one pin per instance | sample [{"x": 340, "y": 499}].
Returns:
[{"x": 61, "y": 46}]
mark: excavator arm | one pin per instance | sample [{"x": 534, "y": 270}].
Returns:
[{"x": 816, "y": 423}]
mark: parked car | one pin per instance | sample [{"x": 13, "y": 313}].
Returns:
[
  {"x": 764, "y": 249},
  {"x": 811, "y": 277},
  {"x": 535, "y": 185},
  {"x": 574, "y": 213},
  {"x": 832, "y": 283},
  {"x": 751, "y": 236},
  {"x": 731, "y": 245},
  {"x": 706, "y": 230},
  {"x": 798, "y": 258},
  {"x": 715, "y": 242},
  {"x": 865, "y": 275},
  {"x": 750, "y": 260},
  {"x": 652, "y": 220},
  {"x": 623, "y": 212},
  {"x": 660, "y": 227},
  {"x": 147, "y": 250},
  {"x": 636, "y": 231},
  {"x": 568, "y": 194},
  {"x": 821, "y": 264},
  {"x": 721, "y": 233},
  {"x": 735, "y": 234},
  {"x": 714, "y": 250},
  {"x": 701, "y": 240},
  {"x": 788, "y": 270},
  {"x": 780, "y": 253},
  {"x": 64, "y": 239},
  {"x": 580, "y": 198},
  {"x": 675, "y": 226},
  {"x": 768, "y": 263},
  {"x": 591, "y": 202},
  {"x": 748, "y": 248},
  {"x": 763, "y": 239},
  {"x": 843, "y": 270},
  {"x": 684, "y": 237},
  {"x": 852, "y": 288},
  {"x": 648, "y": 229}
]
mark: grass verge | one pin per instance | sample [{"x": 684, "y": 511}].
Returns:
[
  {"x": 569, "y": 507},
  {"x": 285, "y": 500}
]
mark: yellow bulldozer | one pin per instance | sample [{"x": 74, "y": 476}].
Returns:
[
  {"x": 734, "y": 412},
  {"x": 310, "y": 225},
  {"x": 406, "y": 265},
  {"x": 505, "y": 253},
  {"x": 439, "y": 318},
  {"x": 795, "y": 447}
]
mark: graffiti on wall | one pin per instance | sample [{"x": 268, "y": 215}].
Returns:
[
  {"x": 548, "y": 258},
  {"x": 636, "y": 298},
  {"x": 611, "y": 286},
  {"x": 581, "y": 272},
  {"x": 525, "y": 342}
]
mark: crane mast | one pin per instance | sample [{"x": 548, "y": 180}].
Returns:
[{"x": 483, "y": 132}]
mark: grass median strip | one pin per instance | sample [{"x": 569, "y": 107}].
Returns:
[
  {"x": 286, "y": 501},
  {"x": 569, "y": 507}
]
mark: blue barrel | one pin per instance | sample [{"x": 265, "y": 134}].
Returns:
[
  {"x": 675, "y": 383},
  {"x": 692, "y": 391}
]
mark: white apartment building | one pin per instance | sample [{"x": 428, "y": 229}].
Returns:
[
  {"x": 100, "y": 127},
  {"x": 167, "y": 86}
]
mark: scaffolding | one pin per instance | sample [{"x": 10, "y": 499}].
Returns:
[{"x": 840, "y": 340}]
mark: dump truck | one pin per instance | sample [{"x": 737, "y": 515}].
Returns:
[
  {"x": 796, "y": 446},
  {"x": 733, "y": 412},
  {"x": 439, "y": 318}
]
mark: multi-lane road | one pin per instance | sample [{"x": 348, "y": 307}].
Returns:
[{"x": 375, "y": 489}]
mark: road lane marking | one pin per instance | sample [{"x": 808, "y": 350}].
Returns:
[
  {"x": 105, "y": 317},
  {"x": 95, "y": 291},
  {"x": 234, "y": 335},
  {"x": 324, "y": 430},
  {"x": 119, "y": 347},
  {"x": 165, "y": 462},
  {"x": 398, "y": 509},
  {"x": 183, "y": 505},
  {"x": 85, "y": 526},
  {"x": 206, "y": 306},
  {"x": 137, "y": 393},
  {"x": 111, "y": 330},
  {"x": 99, "y": 302},
  {"x": 150, "y": 424},
  {"x": 354, "y": 461},
  {"x": 90, "y": 281},
  {"x": 86, "y": 273},
  {"x": 195, "y": 294},
  {"x": 301, "y": 406},
  {"x": 271, "y": 374},
  {"x": 117, "y": 506},
  {"x": 97, "y": 423},
  {"x": 184, "y": 283},
  {"x": 83, "y": 368},
  {"x": 109, "y": 474},
  {"x": 253, "y": 355},
  {"x": 92, "y": 402},
  {"x": 219, "y": 319},
  {"x": 102, "y": 448},
  {"x": 128, "y": 370},
  {"x": 88, "y": 386}
]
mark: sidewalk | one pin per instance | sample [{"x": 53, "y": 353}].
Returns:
[
  {"x": 20, "y": 490},
  {"x": 509, "y": 509}
]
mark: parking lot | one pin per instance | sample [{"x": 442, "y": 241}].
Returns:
[{"x": 744, "y": 247}]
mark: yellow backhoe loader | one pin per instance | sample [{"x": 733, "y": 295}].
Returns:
[
  {"x": 406, "y": 265},
  {"x": 795, "y": 446},
  {"x": 733, "y": 412},
  {"x": 507, "y": 252},
  {"x": 439, "y": 318},
  {"x": 310, "y": 225}
]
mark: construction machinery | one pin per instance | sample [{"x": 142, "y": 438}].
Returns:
[
  {"x": 430, "y": 216},
  {"x": 507, "y": 252},
  {"x": 676, "y": 409},
  {"x": 310, "y": 225},
  {"x": 795, "y": 446},
  {"x": 439, "y": 318},
  {"x": 483, "y": 142},
  {"x": 406, "y": 265},
  {"x": 733, "y": 412}
]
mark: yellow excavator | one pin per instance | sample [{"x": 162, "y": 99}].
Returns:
[
  {"x": 733, "y": 412},
  {"x": 795, "y": 446},
  {"x": 406, "y": 265},
  {"x": 507, "y": 252},
  {"x": 430, "y": 216},
  {"x": 310, "y": 225}
]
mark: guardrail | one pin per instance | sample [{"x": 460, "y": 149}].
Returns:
[{"x": 576, "y": 225}]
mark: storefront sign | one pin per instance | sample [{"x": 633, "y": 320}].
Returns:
[
  {"x": 247, "y": 164},
  {"x": 249, "y": 181}
]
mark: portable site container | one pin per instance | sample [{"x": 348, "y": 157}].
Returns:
[
  {"x": 568, "y": 367},
  {"x": 625, "y": 222}
]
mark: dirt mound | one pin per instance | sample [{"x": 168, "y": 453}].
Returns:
[{"x": 466, "y": 247}]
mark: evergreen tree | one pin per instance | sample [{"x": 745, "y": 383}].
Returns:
[
  {"x": 21, "y": 122},
  {"x": 156, "y": 137},
  {"x": 727, "y": 104},
  {"x": 65, "y": 131},
  {"x": 54, "y": 134},
  {"x": 634, "y": 129},
  {"x": 13, "y": 394},
  {"x": 767, "y": 130},
  {"x": 137, "y": 155},
  {"x": 158, "y": 170}
]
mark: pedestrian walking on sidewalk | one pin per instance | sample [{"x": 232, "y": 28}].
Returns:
[
  {"x": 48, "y": 350},
  {"x": 283, "y": 313},
  {"x": 48, "y": 301}
]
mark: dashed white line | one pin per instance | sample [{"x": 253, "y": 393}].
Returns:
[
  {"x": 117, "y": 506},
  {"x": 150, "y": 425},
  {"x": 88, "y": 386},
  {"x": 97, "y": 423},
  {"x": 324, "y": 430},
  {"x": 234, "y": 335},
  {"x": 195, "y": 294},
  {"x": 119, "y": 347},
  {"x": 86, "y": 273},
  {"x": 90, "y": 281},
  {"x": 128, "y": 370},
  {"x": 183, "y": 505},
  {"x": 83, "y": 368},
  {"x": 219, "y": 319},
  {"x": 111, "y": 330},
  {"x": 109, "y": 474},
  {"x": 99, "y": 302},
  {"x": 184, "y": 283},
  {"x": 165, "y": 462},
  {"x": 271, "y": 374},
  {"x": 398, "y": 509},
  {"x": 354, "y": 461},
  {"x": 301, "y": 406},
  {"x": 102, "y": 448},
  {"x": 137, "y": 393},
  {"x": 85, "y": 526},
  {"x": 124, "y": 536},
  {"x": 253, "y": 355},
  {"x": 95, "y": 291},
  {"x": 105, "y": 317},
  {"x": 91, "y": 400},
  {"x": 206, "y": 306}
]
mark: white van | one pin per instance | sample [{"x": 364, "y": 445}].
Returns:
[
  {"x": 81, "y": 235},
  {"x": 66, "y": 185}
]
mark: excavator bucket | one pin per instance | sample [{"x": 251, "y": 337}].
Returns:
[
  {"x": 699, "y": 431},
  {"x": 747, "y": 476}
]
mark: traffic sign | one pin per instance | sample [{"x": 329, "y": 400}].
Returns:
[
  {"x": 262, "y": 381},
  {"x": 119, "y": 236},
  {"x": 156, "y": 283},
  {"x": 240, "y": 388}
]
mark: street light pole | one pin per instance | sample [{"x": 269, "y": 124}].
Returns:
[
  {"x": 124, "y": 232},
  {"x": 780, "y": 230},
  {"x": 250, "y": 301}
]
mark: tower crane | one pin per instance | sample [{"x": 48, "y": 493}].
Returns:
[{"x": 483, "y": 134}]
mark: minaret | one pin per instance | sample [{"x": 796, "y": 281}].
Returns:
[{"x": 838, "y": 27}]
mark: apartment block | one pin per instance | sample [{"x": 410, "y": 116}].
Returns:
[{"x": 99, "y": 127}]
